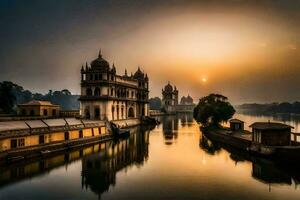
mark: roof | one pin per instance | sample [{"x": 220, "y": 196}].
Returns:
[
  {"x": 52, "y": 123},
  {"x": 269, "y": 125},
  {"x": 100, "y": 63},
  {"x": 236, "y": 121},
  {"x": 38, "y": 103},
  {"x": 168, "y": 87}
]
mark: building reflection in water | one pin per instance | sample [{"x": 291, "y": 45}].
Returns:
[
  {"x": 99, "y": 169},
  {"x": 170, "y": 128},
  {"x": 100, "y": 162},
  {"x": 170, "y": 125},
  {"x": 186, "y": 119},
  {"x": 266, "y": 171}
]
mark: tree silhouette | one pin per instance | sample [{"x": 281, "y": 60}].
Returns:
[
  {"x": 7, "y": 97},
  {"x": 213, "y": 109}
]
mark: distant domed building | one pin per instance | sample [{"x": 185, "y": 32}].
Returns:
[
  {"x": 169, "y": 98},
  {"x": 170, "y": 101},
  {"x": 186, "y": 100},
  {"x": 106, "y": 95}
]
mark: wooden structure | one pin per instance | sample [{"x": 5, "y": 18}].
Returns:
[
  {"x": 271, "y": 133},
  {"x": 236, "y": 125}
]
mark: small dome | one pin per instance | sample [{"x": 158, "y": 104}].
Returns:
[
  {"x": 99, "y": 63},
  {"x": 138, "y": 74},
  {"x": 168, "y": 88},
  {"x": 186, "y": 100},
  {"x": 189, "y": 98},
  {"x": 183, "y": 100}
]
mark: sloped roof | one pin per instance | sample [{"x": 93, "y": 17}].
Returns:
[
  {"x": 269, "y": 125},
  {"x": 13, "y": 125},
  {"x": 236, "y": 120},
  {"x": 38, "y": 103}
]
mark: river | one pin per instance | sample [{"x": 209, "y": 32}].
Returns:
[{"x": 172, "y": 161}]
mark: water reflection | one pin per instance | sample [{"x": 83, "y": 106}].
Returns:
[
  {"x": 100, "y": 162},
  {"x": 99, "y": 169},
  {"x": 186, "y": 119},
  {"x": 146, "y": 166},
  {"x": 171, "y": 123},
  {"x": 208, "y": 146},
  {"x": 264, "y": 170},
  {"x": 170, "y": 128}
]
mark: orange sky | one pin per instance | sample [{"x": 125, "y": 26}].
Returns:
[{"x": 246, "y": 50}]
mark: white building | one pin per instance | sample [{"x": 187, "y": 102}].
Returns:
[{"x": 106, "y": 95}]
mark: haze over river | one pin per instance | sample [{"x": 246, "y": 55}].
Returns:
[{"x": 172, "y": 161}]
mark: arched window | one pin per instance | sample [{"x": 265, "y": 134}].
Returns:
[
  {"x": 97, "y": 91},
  {"x": 130, "y": 112},
  {"x": 89, "y": 92},
  {"x": 87, "y": 113},
  {"x": 97, "y": 113}
]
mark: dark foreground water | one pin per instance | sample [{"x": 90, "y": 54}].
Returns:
[{"x": 172, "y": 161}]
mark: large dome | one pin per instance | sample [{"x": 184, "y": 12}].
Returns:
[{"x": 100, "y": 63}]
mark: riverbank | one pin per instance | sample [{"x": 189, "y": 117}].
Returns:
[{"x": 21, "y": 140}]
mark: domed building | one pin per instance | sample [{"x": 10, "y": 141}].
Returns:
[
  {"x": 170, "y": 101},
  {"x": 169, "y": 98},
  {"x": 186, "y": 100},
  {"x": 107, "y": 95}
]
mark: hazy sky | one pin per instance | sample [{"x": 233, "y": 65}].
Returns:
[{"x": 248, "y": 50}]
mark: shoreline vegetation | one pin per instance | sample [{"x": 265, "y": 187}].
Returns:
[
  {"x": 12, "y": 94},
  {"x": 270, "y": 108}
]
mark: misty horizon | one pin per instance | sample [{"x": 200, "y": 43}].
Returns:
[{"x": 245, "y": 50}]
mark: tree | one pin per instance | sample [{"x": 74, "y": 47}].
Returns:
[
  {"x": 7, "y": 97},
  {"x": 155, "y": 103},
  {"x": 213, "y": 109}
]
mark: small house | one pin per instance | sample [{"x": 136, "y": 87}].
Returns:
[
  {"x": 38, "y": 108},
  {"x": 236, "y": 125},
  {"x": 271, "y": 133}
]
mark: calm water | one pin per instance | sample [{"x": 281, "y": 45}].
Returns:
[{"x": 172, "y": 161}]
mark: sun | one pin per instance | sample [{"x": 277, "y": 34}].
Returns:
[{"x": 203, "y": 80}]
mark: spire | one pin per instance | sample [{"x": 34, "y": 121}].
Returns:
[
  {"x": 125, "y": 72},
  {"x": 82, "y": 68},
  {"x": 86, "y": 66},
  {"x": 100, "y": 55}
]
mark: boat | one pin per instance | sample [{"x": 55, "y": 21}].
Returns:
[
  {"x": 119, "y": 132},
  {"x": 146, "y": 120},
  {"x": 288, "y": 153}
]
